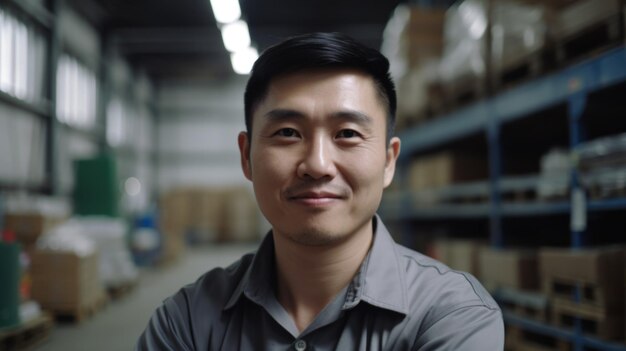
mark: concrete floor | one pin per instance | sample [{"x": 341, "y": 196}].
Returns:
[{"x": 120, "y": 323}]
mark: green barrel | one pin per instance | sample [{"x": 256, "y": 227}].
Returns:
[
  {"x": 96, "y": 189},
  {"x": 9, "y": 284}
]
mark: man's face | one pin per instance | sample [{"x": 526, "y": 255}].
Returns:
[{"x": 318, "y": 157}]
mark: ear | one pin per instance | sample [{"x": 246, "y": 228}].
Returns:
[
  {"x": 244, "y": 151},
  {"x": 393, "y": 151}
]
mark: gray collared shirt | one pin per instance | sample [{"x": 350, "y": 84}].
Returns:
[{"x": 399, "y": 300}]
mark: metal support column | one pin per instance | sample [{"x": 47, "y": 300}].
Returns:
[
  {"x": 52, "y": 130},
  {"x": 578, "y": 223},
  {"x": 495, "y": 173},
  {"x": 104, "y": 95},
  {"x": 576, "y": 107}
]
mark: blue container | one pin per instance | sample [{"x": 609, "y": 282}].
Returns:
[{"x": 146, "y": 240}]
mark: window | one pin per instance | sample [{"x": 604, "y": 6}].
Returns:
[
  {"x": 22, "y": 59},
  {"x": 76, "y": 94},
  {"x": 121, "y": 123}
]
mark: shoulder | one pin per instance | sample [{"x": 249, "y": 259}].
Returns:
[
  {"x": 449, "y": 307},
  {"x": 214, "y": 288},
  {"x": 186, "y": 319},
  {"x": 445, "y": 289}
]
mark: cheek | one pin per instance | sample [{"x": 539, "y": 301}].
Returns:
[
  {"x": 269, "y": 168},
  {"x": 364, "y": 172}
]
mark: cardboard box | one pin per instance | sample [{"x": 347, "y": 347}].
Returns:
[
  {"x": 172, "y": 246},
  {"x": 174, "y": 210},
  {"x": 209, "y": 214},
  {"x": 241, "y": 221},
  {"x": 584, "y": 14},
  {"x": 422, "y": 38},
  {"x": 599, "y": 270},
  {"x": 28, "y": 227},
  {"x": 509, "y": 268},
  {"x": 65, "y": 281},
  {"x": 446, "y": 168},
  {"x": 458, "y": 254},
  {"x": 552, "y": 4}
]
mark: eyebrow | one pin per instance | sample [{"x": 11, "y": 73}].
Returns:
[{"x": 348, "y": 115}]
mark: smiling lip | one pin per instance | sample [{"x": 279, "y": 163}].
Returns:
[{"x": 313, "y": 198}]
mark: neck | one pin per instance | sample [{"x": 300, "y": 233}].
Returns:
[{"x": 309, "y": 277}]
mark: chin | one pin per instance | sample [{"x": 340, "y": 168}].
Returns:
[
  {"x": 317, "y": 233},
  {"x": 316, "y": 237}
]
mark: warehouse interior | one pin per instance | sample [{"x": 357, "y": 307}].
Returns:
[{"x": 120, "y": 175}]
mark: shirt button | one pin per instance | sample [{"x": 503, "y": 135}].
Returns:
[{"x": 300, "y": 345}]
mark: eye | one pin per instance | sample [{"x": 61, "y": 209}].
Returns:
[
  {"x": 287, "y": 132},
  {"x": 348, "y": 133}
]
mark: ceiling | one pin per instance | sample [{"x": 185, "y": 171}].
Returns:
[{"x": 180, "y": 39}]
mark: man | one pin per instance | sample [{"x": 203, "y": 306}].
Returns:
[{"x": 319, "y": 150}]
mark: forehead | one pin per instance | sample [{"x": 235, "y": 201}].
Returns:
[{"x": 330, "y": 88}]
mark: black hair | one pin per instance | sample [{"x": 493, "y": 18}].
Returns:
[{"x": 319, "y": 50}]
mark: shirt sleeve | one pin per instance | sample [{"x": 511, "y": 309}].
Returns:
[
  {"x": 470, "y": 328},
  {"x": 166, "y": 331}
]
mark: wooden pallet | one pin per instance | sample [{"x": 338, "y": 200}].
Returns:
[
  {"x": 26, "y": 335},
  {"x": 601, "y": 192},
  {"x": 531, "y": 305},
  {"x": 597, "y": 321},
  {"x": 589, "y": 293},
  {"x": 519, "y": 339},
  {"x": 77, "y": 314}
]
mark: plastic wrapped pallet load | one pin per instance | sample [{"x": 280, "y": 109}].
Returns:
[
  {"x": 464, "y": 41},
  {"x": 109, "y": 235},
  {"x": 517, "y": 30}
]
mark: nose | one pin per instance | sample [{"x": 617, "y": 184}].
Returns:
[{"x": 318, "y": 160}]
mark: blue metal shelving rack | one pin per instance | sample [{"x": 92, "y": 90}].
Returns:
[{"x": 570, "y": 87}]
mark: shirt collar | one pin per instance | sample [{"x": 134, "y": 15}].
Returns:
[
  {"x": 258, "y": 281},
  {"x": 379, "y": 281}
]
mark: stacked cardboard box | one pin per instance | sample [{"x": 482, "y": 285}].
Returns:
[
  {"x": 422, "y": 38},
  {"x": 573, "y": 17},
  {"x": 29, "y": 226},
  {"x": 458, "y": 254},
  {"x": 586, "y": 284},
  {"x": 509, "y": 268},
  {"x": 174, "y": 219},
  {"x": 66, "y": 282},
  {"x": 241, "y": 218},
  {"x": 209, "y": 214},
  {"x": 446, "y": 168},
  {"x": 413, "y": 40}
]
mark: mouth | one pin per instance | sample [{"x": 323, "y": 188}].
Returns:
[{"x": 315, "y": 198}]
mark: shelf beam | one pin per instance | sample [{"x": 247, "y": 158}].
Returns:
[{"x": 560, "y": 333}]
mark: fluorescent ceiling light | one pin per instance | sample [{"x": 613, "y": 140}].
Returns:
[
  {"x": 243, "y": 60},
  {"x": 236, "y": 36},
  {"x": 226, "y": 11}
]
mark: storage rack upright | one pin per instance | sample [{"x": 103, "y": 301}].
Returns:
[{"x": 574, "y": 91}]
